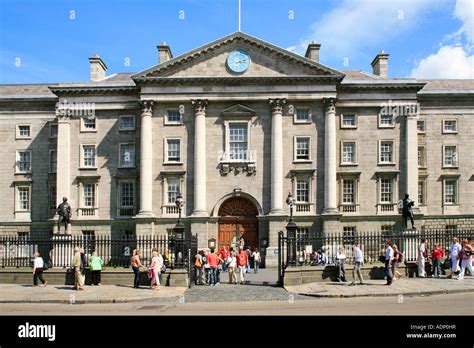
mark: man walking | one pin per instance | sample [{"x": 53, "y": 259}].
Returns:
[
  {"x": 454, "y": 250},
  {"x": 76, "y": 266},
  {"x": 422, "y": 254},
  {"x": 388, "y": 259},
  {"x": 358, "y": 262}
]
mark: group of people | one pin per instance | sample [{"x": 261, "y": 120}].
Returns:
[
  {"x": 210, "y": 264},
  {"x": 79, "y": 264},
  {"x": 340, "y": 263},
  {"x": 460, "y": 259}
]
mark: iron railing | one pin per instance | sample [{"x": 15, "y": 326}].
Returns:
[
  {"x": 57, "y": 251},
  {"x": 372, "y": 244}
]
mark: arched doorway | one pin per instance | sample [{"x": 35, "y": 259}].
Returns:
[{"x": 238, "y": 218}]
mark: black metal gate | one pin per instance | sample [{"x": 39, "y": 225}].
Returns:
[
  {"x": 281, "y": 257},
  {"x": 191, "y": 259}
]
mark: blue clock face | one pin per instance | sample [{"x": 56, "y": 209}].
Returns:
[{"x": 238, "y": 61}]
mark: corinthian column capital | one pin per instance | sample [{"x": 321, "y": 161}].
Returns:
[
  {"x": 147, "y": 107},
  {"x": 199, "y": 105},
  {"x": 330, "y": 104},
  {"x": 277, "y": 104}
]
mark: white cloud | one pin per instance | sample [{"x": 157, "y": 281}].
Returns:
[
  {"x": 450, "y": 62},
  {"x": 358, "y": 25}
]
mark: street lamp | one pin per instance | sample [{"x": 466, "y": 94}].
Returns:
[
  {"x": 179, "y": 228},
  {"x": 291, "y": 228}
]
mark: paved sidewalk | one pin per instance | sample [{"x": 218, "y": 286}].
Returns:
[
  {"x": 14, "y": 293},
  {"x": 403, "y": 286}
]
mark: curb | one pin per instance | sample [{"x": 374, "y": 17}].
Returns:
[
  {"x": 428, "y": 293},
  {"x": 82, "y": 301}
]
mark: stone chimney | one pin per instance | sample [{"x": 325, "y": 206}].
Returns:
[
  {"x": 312, "y": 52},
  {"x": 98, "y": 68},
  {"x": 380, "y": 64},
  {"x": 164, "y": 53}
]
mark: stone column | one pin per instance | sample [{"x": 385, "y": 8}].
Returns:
[
  {"x": 276, "y": 207},
  {"x": 200, "y": 208},
  {"x": 411, "y": 158},
  {"x": 146, "y": 162},
  {"x": 63, "y": 169},
  {"x": 330, "y": 165}
]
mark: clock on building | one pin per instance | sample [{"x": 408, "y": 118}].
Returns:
[{"x": 238, "y": 61}]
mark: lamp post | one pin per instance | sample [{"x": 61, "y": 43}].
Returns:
[
  {"x": 291, "y": 228},
  {"x": 179, "y": 228}
]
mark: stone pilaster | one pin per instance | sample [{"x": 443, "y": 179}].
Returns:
[
  {"x": 63, "y": 169},
  {"x": 146, "y": 162},
  {"x": 330, "y": 165},
  {"x": 411, "y": 159},
  {"x": 200, "y": 208},
  {"x": 276, "y": 206}
]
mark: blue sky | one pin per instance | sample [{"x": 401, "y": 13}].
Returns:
[{"x": 50, "y": 40}]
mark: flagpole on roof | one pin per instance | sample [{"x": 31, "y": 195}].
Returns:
[{"x": 239, "y": 17}]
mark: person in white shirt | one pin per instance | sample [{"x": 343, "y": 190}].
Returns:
[
  {"x": 358, "y": 262},
  {"x": 231, "y": 265},
  {"x": 454, "y": 250},
  {"x": 256, "y": 260},
  {"x": 38, "y": 267},
  {"x": 388, "y": 259},
  {"x": 422, "y": 254},
  {"x": 340, "y": 264}
]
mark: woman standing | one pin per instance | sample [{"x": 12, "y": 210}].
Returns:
[
  {"x": 95, "y": 264},
  {"x": 38, "y": 267},
  {"x": 136, "y": 265},
  {"x": 395, "y": 262},
  {"x": 155, "y": 265},
  {"x": 465, "y": 255},
  {"x": 231, "y": 265},
  {"x": 256, "y": 260},
  {"x": 340, "y": 263}
]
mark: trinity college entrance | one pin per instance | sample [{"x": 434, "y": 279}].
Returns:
[{"x": 238, "y": 218}]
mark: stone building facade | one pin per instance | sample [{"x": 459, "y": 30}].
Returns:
[{"x": 234, "y": 126}]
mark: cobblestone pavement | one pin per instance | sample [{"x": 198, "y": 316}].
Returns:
[{"x": 410, "y": 286}]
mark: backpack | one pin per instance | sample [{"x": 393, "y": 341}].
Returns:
[{"x": 198, "y": 263}]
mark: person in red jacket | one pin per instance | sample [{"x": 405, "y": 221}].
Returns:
[
  {"x": 242, "y": 261},
  {"x": 224, "y": 254},
  {"x": 213, "y": 261},
  {"x": 436, "y": 256}
]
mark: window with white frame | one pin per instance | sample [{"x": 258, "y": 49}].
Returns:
[
  {"x": 127, "y": 194},
  {"x": 23, "y": 193},
  {"x": 89, "y": 241},
  {"x": 23, "y": 131},
  {"x": 23, "y": 161},
  {"x": 348, "y": 152},
  {"x": 88, "y": 195},
  {"x": 386, "y": 120},
  {"x": 386, "y": 190},
  {"x": 302, "y": 190},
  {"x": 348, "y": 236},
  {"x": 450, "y": 158},
  {"x": 302, "y": 232},
  {"x": 420, "y": 126},
  {"x": 302, "y": 115},
  {"x": 421, "y": 192},
  {"x": 348, "y": 121},
  {"x": 302, "y": 148},
  {"x": 173, "y": 150},
  {"x": 450, "y": 126},
  {"x": 450, "y": 191},
  {"x": 127, "y": 123},
  {"x": 173, "y": 190},
  {"x": 386, "y": 152},
  {"x": 127, "y": 155},
  {"x": 53, "y": 160},
  {"x": 173, "y": 117},
  {"x": 348, "y": 191},
  {"x": 88, "y": 124},
  {"x": 238, "y": 141},
  {"x": 53, "y": 130},
  {"x": 88, "y": 156},
  {"x": 421, "y": 156}
]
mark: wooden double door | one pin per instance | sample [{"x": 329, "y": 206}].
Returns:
[{"x": 238, "y": 219}]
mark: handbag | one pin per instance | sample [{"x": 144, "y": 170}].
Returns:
[
  {"x": 163, "y": 269},
  {"x": 150, "y": 273}
]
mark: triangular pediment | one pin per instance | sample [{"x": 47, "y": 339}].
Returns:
[
  {"x": 267, "y": 60},
  {"x": 238, "y": 110}
]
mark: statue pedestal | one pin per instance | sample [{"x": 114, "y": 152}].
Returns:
[{"x": 62, "y": 250}]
